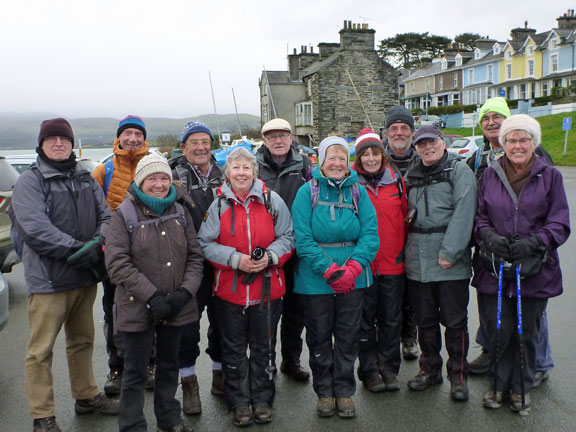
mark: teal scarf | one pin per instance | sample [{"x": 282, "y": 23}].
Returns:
[{"x": 157, "y": 205}]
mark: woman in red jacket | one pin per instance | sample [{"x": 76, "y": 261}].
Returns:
[{"x": 379, "y": 354}]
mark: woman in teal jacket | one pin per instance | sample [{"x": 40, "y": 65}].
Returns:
[{"x": 336, "y": 240}]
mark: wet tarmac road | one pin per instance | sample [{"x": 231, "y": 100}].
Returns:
[{"x": 553, "y": 404}]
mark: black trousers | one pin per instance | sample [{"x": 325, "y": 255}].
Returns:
[
  {"x": 505, "y": 342},
  {"x": 190, "y": 347},
  {"x": 246, "y": 379},
  {"x": 292, "y": 323},
  {"x": 381, "y": 326},
  {"x": 446, "y": 303},
  {"x": 136, "y": 359},
  {"x": 409, "y": 329},
  {"x": 114, "y": 344},
  {"x": 333, "y": 337}
]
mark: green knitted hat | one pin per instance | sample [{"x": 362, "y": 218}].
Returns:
[{"x": 497, "y": 105}]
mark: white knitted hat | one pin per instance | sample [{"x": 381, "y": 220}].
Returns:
[
  {"x": 521, "y": 122},
  {"x": 329, "y": 142},
  {"x": 151, "y": 164}
]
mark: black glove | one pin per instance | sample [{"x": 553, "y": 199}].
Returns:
[
  {"x": 523, "y": 248},
  {"x": 497, "y": 244},
  {"x": 177, "y": 301},
  {"x": 88, "y": 256},
  {"x": 159, "y": 307}
]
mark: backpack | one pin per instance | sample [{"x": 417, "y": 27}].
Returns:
[
  {"x": 444, "y": 176},
  {"x": 108, "y": 174},
  {"x": 315, "y": 197},
  {"x": 267, "y": 203},
  {"x": 128, "y": 211},
  {"x": 16, "y": 231}
]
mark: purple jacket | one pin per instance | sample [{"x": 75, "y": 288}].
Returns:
[{"x": 542, "y": 209}]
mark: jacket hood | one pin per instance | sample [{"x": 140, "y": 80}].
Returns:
[{"x": 120, "y": 152}]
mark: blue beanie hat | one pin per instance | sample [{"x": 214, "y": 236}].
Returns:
[
  {"x": 193, "y": 127},
  {"x": 131, "y": 121}
]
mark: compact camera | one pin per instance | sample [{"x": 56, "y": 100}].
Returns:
[{"x": 411, "y": 215}]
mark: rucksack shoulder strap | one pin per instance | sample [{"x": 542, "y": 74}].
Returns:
[{"x": 108, "y": 174}]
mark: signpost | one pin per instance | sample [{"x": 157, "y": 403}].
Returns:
[{"x": 566, "y": 126}]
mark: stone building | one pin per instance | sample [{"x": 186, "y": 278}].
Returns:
[{"x": 318, "y": 93}]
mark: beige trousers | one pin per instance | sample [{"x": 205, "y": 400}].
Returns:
[{"x": 47, "y": 313}]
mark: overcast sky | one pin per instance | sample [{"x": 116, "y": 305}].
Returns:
[{"x": 109, "y": 58}]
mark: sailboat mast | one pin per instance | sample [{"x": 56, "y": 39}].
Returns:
[
  {"x": 237, "y": 116},
  {"x": 214, "y": 103}
]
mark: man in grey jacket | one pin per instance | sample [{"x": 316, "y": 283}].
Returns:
[
  {"x": 442, "y": 191},
  {"x": 62, "y": 216}
]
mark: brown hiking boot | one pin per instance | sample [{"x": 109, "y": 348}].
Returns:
[
  {"x": 113, "y": 383},
  {"x": 47, "y": 424},
  {"x": 391, "y": 381},
  {"x": 262, "y": 415},
  {"x": 374, "y": 383},
  {"x": 191, "y": 404},
  {"x": 346, "y": 408},
  {"x": 217, "y": 383},
  {"x": 325, "y": 407},
  {"x": 242, "y": 416},
  {"x": 100, "y": 403}
]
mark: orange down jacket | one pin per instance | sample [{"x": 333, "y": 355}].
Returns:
[{"x": 125, "y": 162}]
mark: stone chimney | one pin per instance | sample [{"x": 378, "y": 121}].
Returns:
[
  {"x": 298, "y": 62},
  {"x": 520, "y": 34},
  {"x": 485, "y": 44},
  {"x": 356, "y": 37},
  {"x": 567, "y": 21},
  {"x": 327, "y": 49}
]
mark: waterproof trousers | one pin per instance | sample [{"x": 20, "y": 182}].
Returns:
[
  {"x": 248, "y": 380},
  {"x": 113, "y": 340},
  {"x": 292, "y": 323},
  {"x": 138, "y": 347},
  {"x": 446, "y": 303},
  {"x": 509, "y": 371},
  {"x": 47, "y": 314},
  {"x": 409, "y": 330},
  {"x": 381, "y": 326},
  {"x": 333, "y": 337}
]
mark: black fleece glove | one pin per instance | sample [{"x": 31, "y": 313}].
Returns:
[
  {"x": 497, "y": 244},
  {"x": 159, "y": 307},
  {"x": 88, "y": 256},
  {"x": 523, "y": 248},
  {"x": 177, "y": 301}
]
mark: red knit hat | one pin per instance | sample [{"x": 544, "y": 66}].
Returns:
[{"x": 367, "y": 138}]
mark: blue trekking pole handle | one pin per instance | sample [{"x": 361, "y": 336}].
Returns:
[{"x": 498, "y": 325}]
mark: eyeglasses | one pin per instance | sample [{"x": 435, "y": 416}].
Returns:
[
  {"x": 53, "y": 139},
  {"x": 405, "y": 129},
  {"x": 522, "y": 141},
  {"x": 493, "y": 118},
  {"x": 196, "y": 143},
  {"x": 281, "y": 136}
]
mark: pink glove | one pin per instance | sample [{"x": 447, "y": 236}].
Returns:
[
  {"x": 354, "y": 267},
  {"x": 330, "y": 272},
  {"x": 345, "y": 283}
]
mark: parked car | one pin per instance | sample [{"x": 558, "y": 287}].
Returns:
[
  {"x": 449, "y": 139},
  {"x": 8, "y": 178},
  {"x": 432, "y": 120},
  {"x": 22, "y": 162},
  {"x": 4, "y": 303},
  {"x": 465, "y": 147}
]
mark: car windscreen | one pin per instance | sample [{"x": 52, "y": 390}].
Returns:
[
  {"x": 459, "y": 143},
  {"x": 8, "y": 176}
]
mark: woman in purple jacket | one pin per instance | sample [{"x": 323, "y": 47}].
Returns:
[{"x": 522, "y": 212}]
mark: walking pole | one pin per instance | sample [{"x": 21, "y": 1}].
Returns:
[
  {"x": 520, "y": 342},
  {"x": 498, "y": 328},
  {"x": 266, "y": 288}
]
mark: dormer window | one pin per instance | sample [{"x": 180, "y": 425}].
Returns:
[
  {"x": 496, "y": 49},
  {"x": 477, "y": 54},
  {"x": 458, "y": 60},
  {"x": 530, "y": 50},
  {"x": 508, "y": 55},
  {"x": 444, "y": 64},
  {"x": 553, "y": 44}
]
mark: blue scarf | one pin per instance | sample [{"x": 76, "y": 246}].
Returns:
[{"x": 157, "y": 205}]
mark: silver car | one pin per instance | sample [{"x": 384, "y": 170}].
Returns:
[{"x": 3, "y": 301}]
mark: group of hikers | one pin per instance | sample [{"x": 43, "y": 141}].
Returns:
[{"x": 371, "y": 259}]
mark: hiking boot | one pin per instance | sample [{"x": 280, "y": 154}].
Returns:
[
  {"x": 242, "y": 416},
  {"x": 191, "y": 404},
  {"x": 346, "y": 408},
  {"x": 489, "y": 401},
  {"x": 262, "y": 415},
  {"x": 294, "y": 371},
  {"x": 113, "y": 383},
  {"x": 47, "y": 424},
  {"x": 481, "y": 364},
  {"x": 151, "y": 378},
  {"x": 539, "y": 378},
  {"x": 516, "y": 403},
  {"x": 409, "y": 350},
  {"x": 391, "y": 381},
  {"x": 325, "y": 407},
  {"x": 100, "y": 403},
  {"x": 459, "y": 390},
  {"x": 217, "y": 383},
  {"x": 374, "y": 383},
  {"x": 424, "y": 380},
  {"x": 181, "y": 427}
]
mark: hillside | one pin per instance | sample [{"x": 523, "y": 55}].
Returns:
[{"x": 20, "y": 131}]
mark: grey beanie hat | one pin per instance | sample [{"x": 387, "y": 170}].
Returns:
[
  {"x": 328, "y": 142},
  {"x": 521, "y": 122},
  {"x": 151, "y": 164},
  {"x": 399, "y": 114}
]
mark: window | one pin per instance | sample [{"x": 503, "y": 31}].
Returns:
[
  {"x": 458, "y": 60},
  {"x": 490, "y": 72},
  {"x": 444, "y": 64},
  {"x": 530, "y": 50},
  {"x": 530, "y": 67},
  {"x": 304, "y": 114},
  {"x": 470, "y": 76},
  {"x": 265, "y": 113},
  {"x": 455, "y": 80},
  {"x": 508, "y": 71},
  {"x": 455, "y": 99},
  {"x": 508, "y": 54},
  {"x": 440, "y": 83},
  {"x": 554, "y": 63},
  {"x": 477, "y": 54},
  {"x": 412, "y": 86},
  {"x": 522, "y": 91},
  {"x": 496, "y": 49},
  {"x": 553, "y": 44},
  {"x": 544, "y": 91},
  {"x": 465, "y": 97}
]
